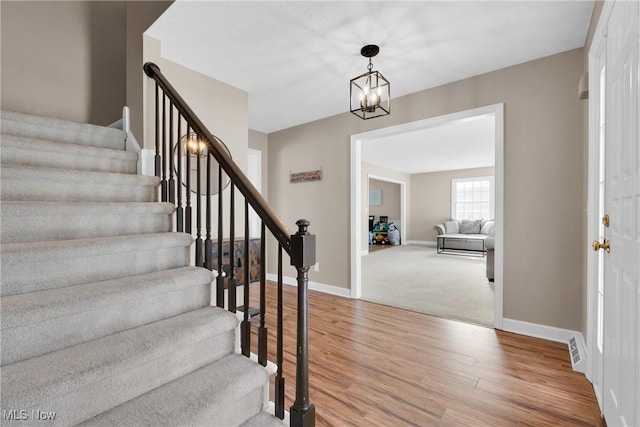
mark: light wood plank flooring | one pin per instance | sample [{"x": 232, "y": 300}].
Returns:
[{"x": 373, "y": 365}]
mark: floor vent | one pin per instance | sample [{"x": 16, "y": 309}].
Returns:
[{"x": 577, "y": 353}]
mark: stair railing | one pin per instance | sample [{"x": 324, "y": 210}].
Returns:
[{"x": 180, "y": 133}]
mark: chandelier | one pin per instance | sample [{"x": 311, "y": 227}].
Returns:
[{"x": 370, "y": 92}]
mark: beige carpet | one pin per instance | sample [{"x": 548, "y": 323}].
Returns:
[{"x": 417, "y": 278}]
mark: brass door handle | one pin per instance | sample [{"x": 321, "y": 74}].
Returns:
[{"x": 606, "y": 245}]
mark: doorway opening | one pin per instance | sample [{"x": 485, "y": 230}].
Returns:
[{"x": 411, "y": 227}]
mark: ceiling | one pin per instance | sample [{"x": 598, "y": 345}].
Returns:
[
  {"x": 461, "y": 144},
  {"x": 295, "y": 58}
]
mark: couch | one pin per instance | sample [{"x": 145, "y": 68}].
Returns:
[{"x": 468, "y": 236}]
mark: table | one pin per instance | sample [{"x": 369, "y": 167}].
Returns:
[{"x": 475, "y": 244}]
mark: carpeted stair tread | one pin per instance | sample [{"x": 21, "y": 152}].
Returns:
[
  {"x": 69, "y": 175},
  {"x": 40, "y": 127},
  {"x": 263, "y": 419},
  {"x": 63, "y": 317},
  {"x": 32, "y": 221},
  {"x": 53, "y": 184},
  {"x": 29, "y": 267},
  {"x": 205, "y": 397},
  {"x": 85, "y": 380},
  {"x": 19, "y": 150}
]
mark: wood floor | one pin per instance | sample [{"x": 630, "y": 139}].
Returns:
[{"x": 373, "y": 365}]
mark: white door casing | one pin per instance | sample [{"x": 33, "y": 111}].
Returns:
[
  {"x": 595, "y": 296},
  {"x": 621, "y": 383}
]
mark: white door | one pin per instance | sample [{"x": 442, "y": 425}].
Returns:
[{"x": 621, "y": 382}]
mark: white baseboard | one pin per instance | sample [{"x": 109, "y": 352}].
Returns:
[
  {"x": 535, "y": 330},
  {"x": 421, "y": 242},
  {"x": 552, "y": 333},
  {"x": 315, "y": 286},
  {"x": 363, "y": 253}
]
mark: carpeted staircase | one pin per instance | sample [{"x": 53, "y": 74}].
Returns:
[{"x": 103, "y": 320}]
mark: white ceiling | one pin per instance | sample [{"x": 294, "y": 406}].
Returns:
[
  {"x": 462, "y": 144},
  {"x": 295, "y": 58}
]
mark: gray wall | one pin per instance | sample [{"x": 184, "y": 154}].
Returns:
[
  {"x": 431, "y": 199},
  {"x": 544, "y": 143}
]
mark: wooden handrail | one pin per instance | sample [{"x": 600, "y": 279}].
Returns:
[{"x": 216, "y": 148}]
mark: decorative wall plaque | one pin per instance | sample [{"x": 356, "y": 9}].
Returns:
[{"x": 307, "y": 176}]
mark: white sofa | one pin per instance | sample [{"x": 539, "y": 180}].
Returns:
[{"x": 464, "y": 235}]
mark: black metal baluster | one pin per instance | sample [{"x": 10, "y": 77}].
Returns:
[
  {"x": 279, "y": 380},
  {"x": 157, "y": 157},
  {"x": 245, "y": 327},
  {"x": 163, "y": 185},
  {"x": 188, "y": 151},
  {"x": 232, "y": 244},
  {"x": 199, "y": 241},
  {"x": 180, "y": 209},
  {"x": 172, "y": 182},
  {"x": 303, "y": 256},
  {"x": 220, "y": 278},
  {"x": 208, "y": 245},
  {"x": 262, "y": 330}
]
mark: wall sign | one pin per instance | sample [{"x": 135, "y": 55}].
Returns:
[{"x": 307, "y": 176}]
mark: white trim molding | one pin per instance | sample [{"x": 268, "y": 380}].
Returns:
[
  {"x": 314, "y": 286},
  {"x": 147, "y": 162},
  {"x": 550, "y": 333},
  {"x": 357, "y": 184}
]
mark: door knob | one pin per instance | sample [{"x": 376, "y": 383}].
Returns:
[{"x": 604, "y": 245}]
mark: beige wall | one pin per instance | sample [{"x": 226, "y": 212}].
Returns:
[
  {"x": 431, "y": 199},
  {"x": 76, "y": 60},
  {"x": 544, "y": 143},
  {"x": 222, "y": 108},
  {"x": 64, "y": 59},
  {"x": 390, "y": 200},
  {"x": 140, "y": 16}
]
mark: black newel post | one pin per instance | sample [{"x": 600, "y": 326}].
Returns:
[{"x": 303, "y": 256}]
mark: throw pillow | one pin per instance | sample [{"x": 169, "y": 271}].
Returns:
[
  {"x": 487, "y": 227},
  {"x": 470, "y": 227},
  {"x": 451, "y": 227}
]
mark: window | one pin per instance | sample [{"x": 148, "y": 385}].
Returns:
[{"x": 472, "y": 198}]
